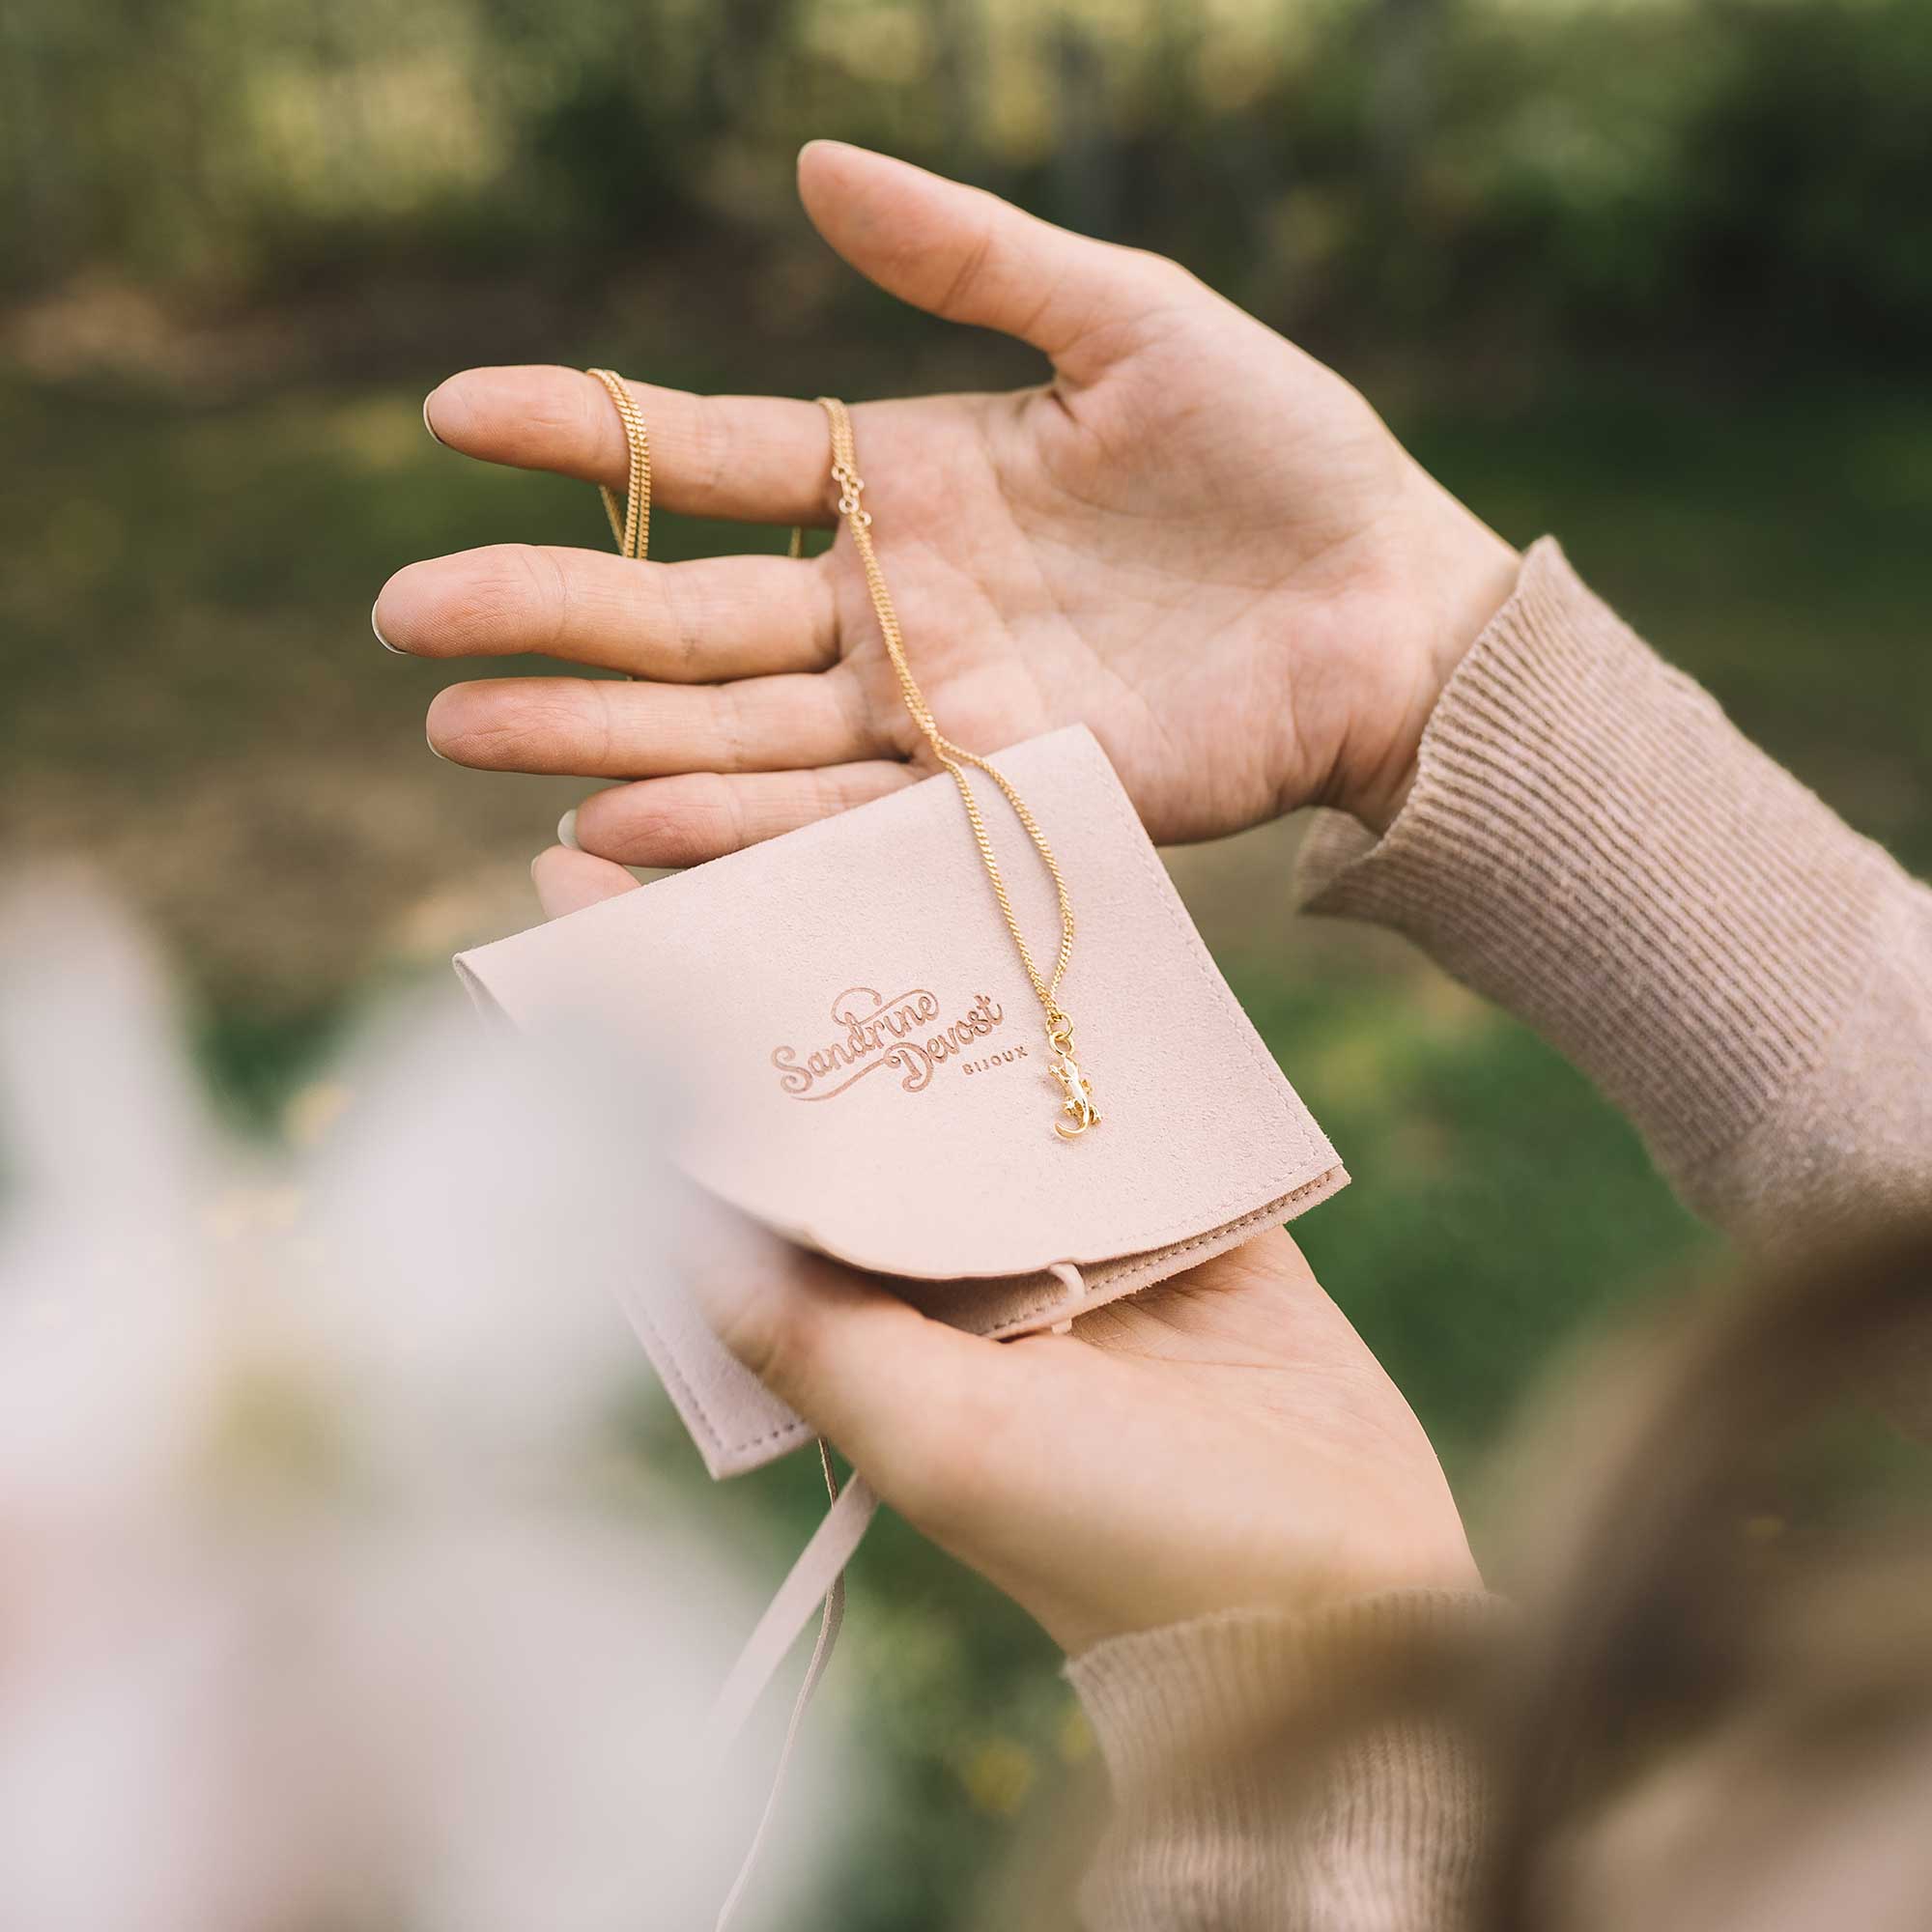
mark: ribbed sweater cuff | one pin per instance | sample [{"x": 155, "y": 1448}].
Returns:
[
  {"x": 1248, "y": 1791},
  {"x": 1156, "y": 1697},
  {"x": 1592, "y": 845}
]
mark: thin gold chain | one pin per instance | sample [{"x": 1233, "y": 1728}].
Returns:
[
  {"x": 632, "y": 528},
  {"x": 1077, "y": 1112}
]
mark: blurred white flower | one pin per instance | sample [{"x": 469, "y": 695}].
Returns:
[{"x": 327, "y": 1593}]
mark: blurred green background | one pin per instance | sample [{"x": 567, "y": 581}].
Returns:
[{"x": 1655, "y": 275}]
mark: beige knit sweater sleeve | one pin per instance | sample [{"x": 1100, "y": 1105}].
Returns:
[{"x": 1593, "y": 846}]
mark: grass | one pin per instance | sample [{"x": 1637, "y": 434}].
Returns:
[{"x": 197, "y": 705}]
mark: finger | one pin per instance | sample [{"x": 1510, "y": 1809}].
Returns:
[
  {"x": 908, "y": 1400},
  {"x": 969, "y": 255},
  {"x": 568, "y": 881},
  {"x": 600, "y": 727},
  {"x": 752, "y": 459},
  {"x": 700, "y": 816},
  {"x": 685, "y": 623}
]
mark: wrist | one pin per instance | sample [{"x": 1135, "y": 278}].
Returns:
[
  {"x": 1458, "y": 573},
  {"x": 1398, "y": 1533}
]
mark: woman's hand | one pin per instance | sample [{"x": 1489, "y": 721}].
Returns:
[
  {"x": 1193, "y": 538},
  {"x": 1222, "y": 1440}
]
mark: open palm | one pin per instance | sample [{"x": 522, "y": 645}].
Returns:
[
  {"x": 1224, "y": 1439},
  {"x": 1193, "y": 538}
]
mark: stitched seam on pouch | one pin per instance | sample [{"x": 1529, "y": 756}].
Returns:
[
  {"x": 666, "y": 1359},
  {"x": 1110, "y": 1273},
  {"x": 1106, "y": 1276},
  {"x": 1102, "y": 1277}
]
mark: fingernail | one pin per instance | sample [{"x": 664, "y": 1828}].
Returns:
[
  {"x": 566, "y": 831},
  {"x": 431, "y": 743},
  {"x": 395, "y": 650},
  {"x": 428, "y": 425}
]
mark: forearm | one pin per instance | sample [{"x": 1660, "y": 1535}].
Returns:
[{"x": 1592, "y": 845}]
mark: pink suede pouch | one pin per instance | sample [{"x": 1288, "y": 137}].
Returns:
[{"x": 868, "y": 1073}]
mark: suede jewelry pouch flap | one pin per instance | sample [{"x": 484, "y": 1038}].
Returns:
[{"x": 868, "y": 1074}]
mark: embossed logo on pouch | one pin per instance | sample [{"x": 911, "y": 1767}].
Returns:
[{"x": 905, "y": 1031}]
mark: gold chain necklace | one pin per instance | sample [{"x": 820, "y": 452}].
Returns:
[
  {"x": 1076, "y": 1112},
  {"x": 632, "y": 531}
]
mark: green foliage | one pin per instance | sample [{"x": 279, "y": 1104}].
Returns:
[
  {"x": 1500, "y": 1206},
  {"x": 1747, "y": 173}
]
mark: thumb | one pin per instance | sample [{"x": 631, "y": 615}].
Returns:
[
  {"x": 568, "y": 880},
  {"x": 902, "y": 1396},
  {"x": 968, "y": 256}
]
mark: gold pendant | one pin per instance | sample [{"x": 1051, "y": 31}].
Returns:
[{"x": 1077, "y": 1112}]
